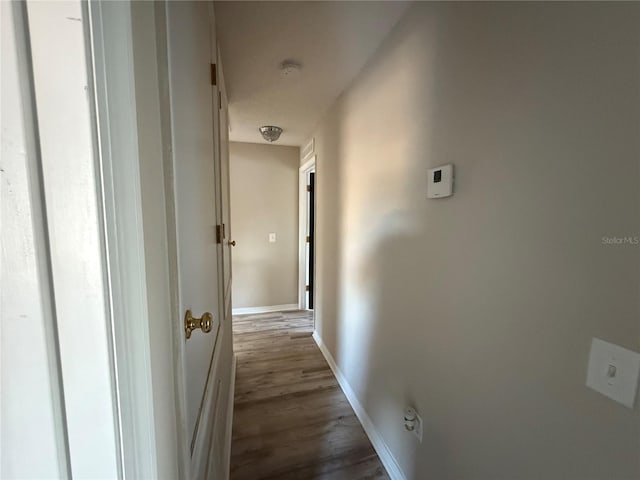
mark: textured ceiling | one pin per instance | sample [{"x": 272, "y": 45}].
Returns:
[{"x": 331, "y": 40}]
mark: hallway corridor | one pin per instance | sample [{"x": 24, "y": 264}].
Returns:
[{"x": 291, "y": 419}]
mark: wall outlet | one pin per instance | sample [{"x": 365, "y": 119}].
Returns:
[
  {"x": 272, "y": 238},
  {"x": 413, "y": 422}
]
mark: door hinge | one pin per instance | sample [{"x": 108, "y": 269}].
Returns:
[
  {"x": 219, "y": 233},
  {"x": 214, "y": 74},
  {"x": 306, "y": 288},
  {"x": 308, "y": 188},
  {"x": 219, "y": 100},
  {"x": 308, "y": 239}
]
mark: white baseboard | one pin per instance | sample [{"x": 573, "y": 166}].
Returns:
[
  {"x": 271, "y": 308},
  {"x": 229, "y": 426},
  {"x": 381, "y": 448}
]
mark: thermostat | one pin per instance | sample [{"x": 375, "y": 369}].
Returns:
[{"x": 440, "y": 182}]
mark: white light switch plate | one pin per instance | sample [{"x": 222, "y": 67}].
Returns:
[
  {"x": 613, "y": 371},
  {"x": 272, "y": 238}
]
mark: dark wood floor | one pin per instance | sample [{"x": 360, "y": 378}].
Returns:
[{"x": 291, "y": 420}]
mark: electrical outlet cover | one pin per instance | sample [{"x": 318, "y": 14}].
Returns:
[{"x": 613, "y": 371}]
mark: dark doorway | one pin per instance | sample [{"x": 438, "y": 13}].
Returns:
[{"x": 310, "y": 266}]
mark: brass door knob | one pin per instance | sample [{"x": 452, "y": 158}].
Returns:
[
  {"x": 232, "y": 244},
  {"x": 191, "y": 323}
]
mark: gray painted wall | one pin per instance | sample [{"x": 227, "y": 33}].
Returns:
[
  {"x": 479, "y": 310},
  {"x": 264, "y": 199}
]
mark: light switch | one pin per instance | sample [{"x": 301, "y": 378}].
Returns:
[
  {"x": 272, "y": 238},
  {"x": 613, "y": 371}
]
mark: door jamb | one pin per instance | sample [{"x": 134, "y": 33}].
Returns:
[
  {"x": 305, "y": 169},
  {"x": 111, "y": 46},
  {"x": 161, "y": 15}
]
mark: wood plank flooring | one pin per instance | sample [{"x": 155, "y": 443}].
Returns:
[{"x": 291, "y": 420}]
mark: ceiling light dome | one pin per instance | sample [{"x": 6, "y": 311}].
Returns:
[{"x": 270, "y": 133}]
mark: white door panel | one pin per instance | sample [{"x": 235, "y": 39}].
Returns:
[
  {"x": 30, "y": 410},
  {"x": 195, "y": 189}
]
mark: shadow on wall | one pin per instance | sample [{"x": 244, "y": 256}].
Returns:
[
  {"x": 328, "y": 238},
  {"x": 479, "y": 309},
  {"x": 387, "y": 274},
  {"x": 381, "y": 229}
]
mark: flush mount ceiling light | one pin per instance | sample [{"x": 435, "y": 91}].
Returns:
[{"x": 270, "y": 133}]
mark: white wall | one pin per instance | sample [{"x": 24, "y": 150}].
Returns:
[
  {"x": 480, "y": 309},
  {"x": 264, "y": 199}
]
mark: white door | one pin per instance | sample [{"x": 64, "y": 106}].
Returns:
[{"x": 193, "y": 101}]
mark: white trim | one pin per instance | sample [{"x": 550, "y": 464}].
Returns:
[
  {"x": 229, "y": 426},
  {"x": 42, "y": 246},
  {"x": 112, "y": 49},
  {"x": 271, "y": 308},
  {"x": 308, "y": 165},
  {"x": 305, "y": 168},
  {"x": 381, "y": 448},
  {"x": 309, "y": 149},
  {"x": 206, "y": 422},
  {"x": 164, "y": 86}
]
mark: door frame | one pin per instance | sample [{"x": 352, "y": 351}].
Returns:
[
  {"x": 111, "y": 46},
  {"x": 307, "y": 167},
  {"x": 113, "y": 93},
  {"x": 184, "y": 436}
]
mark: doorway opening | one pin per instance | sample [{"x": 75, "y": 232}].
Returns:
[{"x": 306, "y": 273}]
